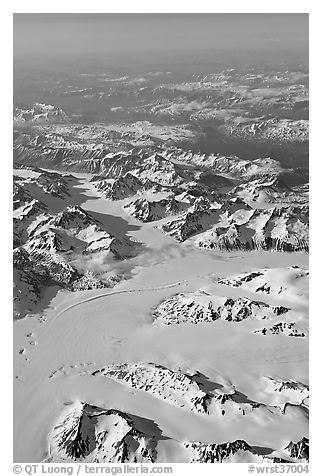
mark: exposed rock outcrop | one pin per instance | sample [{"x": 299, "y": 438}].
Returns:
[
  {"x": 98, "y": 435},
  {"x": 125, "y": 186},
  {"x": 147, "y": 211},
  {"x": 198, "y": 217},
  {"x": 299, "y": 450},
  {"x": 201, "y": 307},
  {"x": 38, "y": 113},
  {"x": 286, "y": 328},
  {"x": 279, "y": 229},
  {"x": 219, "y": 453},
  {"x": 282, "y": 282},
  {"x": 184, "y": 390},
  {"x": 175, "y": 388}
]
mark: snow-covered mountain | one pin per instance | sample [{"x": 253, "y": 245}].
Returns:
[
  {"x": 124, "y": 186},
  {"x": 91, "y": 434},
  {"x": 201, "y": 307},
  {"x": 39, "y": 113},
  {"x": 241, "y": 452},
  {"x": 272, "y": 130},
  {"x": 235, "y": 225},
  {"x": 280, "y": 229},
  {"x": 72, "y": 229},
  {"x": 48, "y": 245},
  {"x": 173, "y": 386},
  {"x": 183, "y": 390},
  {"x": 288, "y": 391},
  {"x": 146, "y": 210},
  {"x": 299, "y": 450},
  {"x": 201, "y": 215},
  {"x": 286, "y": 328},
  {"x": 290, "y": 282},
  {"x": 270, "y": 190}
]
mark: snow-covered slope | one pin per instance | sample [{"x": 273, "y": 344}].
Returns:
[
  {"x": 198, "y": 217},
  {"x": 235, "y": 225},
  {"x": 91, "y": 434},
  {"x": 146, "y": 210},
  {"x": 49, "y": 246},
  {"x": 241, "y": 452},
  {"x": 184, "y": 391},
  {"x": 291, "y": 282},
  {"x": 125, "y": 186},
  {"x": 280, "y": 229},
  {"x": 38, "y": 113},
  {"x": 287, "y": 328},
  {"x": 270, "y": 190},
  {"x": 174, "y": 387},
  {"x": 87, "y": 433},
  {"x": 201, "y": 307}
]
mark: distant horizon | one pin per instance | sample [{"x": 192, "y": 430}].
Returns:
[{"x": 68, "y": 34}]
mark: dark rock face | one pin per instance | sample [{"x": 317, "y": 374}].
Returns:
[
  {"x": 239, "y": 309},
  {"x": 123, "y": 187},
  {"x": 278, "y": 310},
  {"x": 33, "y": 273},
  {"x": 43, "y": 270},
  {"x": 217, "y": 453},
  {"x": 93, "y": 434},
  {"x": 20, "y": 195},
  {"x": 147, "y": 211},
  {"x": 287, "y": 328},
  {"x": 299, "y": 450},
  {"x": 197, "y": 218},
  {"x": 53, "y": 184},
  {"x": 225, "y": 452}
]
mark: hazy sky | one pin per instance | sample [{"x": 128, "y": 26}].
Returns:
[{"x": 67, "y": 34}]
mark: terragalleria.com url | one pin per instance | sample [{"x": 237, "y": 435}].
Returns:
[{"x": 32, "y": 469}]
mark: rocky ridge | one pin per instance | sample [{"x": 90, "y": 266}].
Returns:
[
  {"x": 153, "y": 210},
  {"x": 278, "y": 229},
  {"x": 91, "y": 434},
  {"x": 201, "y": 307},
  {"x": 186, "y": 391},
  {"x": 287, "y": 328}
]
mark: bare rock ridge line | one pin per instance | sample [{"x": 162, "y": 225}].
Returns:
[
  {"x": 231, "y": 452},
  {"x": 187, "y": 390}
]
